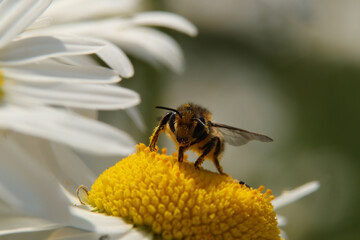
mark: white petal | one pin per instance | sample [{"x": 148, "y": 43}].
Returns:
[
  {"x": 95, "y": 28},
  {"x": 85, "y": 60},
  {"x": 89, "y": 113},
  {"x": 32, "y": 49},
  {"x": 41, "y": 22},
  {"x": 282, "y": 221},
  {"x": 29, "y": 188},
  {"x": 136, "y": 116},
  {"x": 89, "y": 9},
  {"x": 51, "y": 71},
  {"x": 68, "y": 233},
  {"x": 89, "y": 96},
  {"x": 166, "y": 19},
  {"x": 295, "y": 194},
  {"x": 16, "y": 15},
  {"x": 68, "y": 169},
  {"x": 96, "y": 222},
  {"x": 151, "y": 45},
  {"x": 109, "y": 53},
  {"x": 72, "y": 168},
  {"x": 138, "y": 234},
  {"x": 117, "y": 60},
  {"x": 12, "y": 225},
  {"x": 78, "y": 132}
]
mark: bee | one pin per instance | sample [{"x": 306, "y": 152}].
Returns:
[{"x": 191, "y": 127}]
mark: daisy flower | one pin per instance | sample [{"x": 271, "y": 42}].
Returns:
[
  {"x": 144, "y": 196},
  {"x": 176, "y": 201},
  {"x": 34, "y": 78},
  {"x": 151, "y": 195},
  {"x": 102, "y": 20},
  {"x": 41, "y": 77}
]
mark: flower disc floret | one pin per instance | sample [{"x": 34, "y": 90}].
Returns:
[{"x": 178, "y": 201}]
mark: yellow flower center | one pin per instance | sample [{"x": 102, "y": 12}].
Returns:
[{"x": 178, "y": 201}]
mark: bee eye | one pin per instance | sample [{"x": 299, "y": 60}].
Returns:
[
  {"x": 202, "y": 119},
  {"x": 172, "y": 122},
  {"x": 199, "y": 129}
]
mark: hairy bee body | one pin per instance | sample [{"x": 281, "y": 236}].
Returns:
[{"x": 190, "y": 126}]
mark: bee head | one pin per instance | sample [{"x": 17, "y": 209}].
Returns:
[{"x": 186, "y": 124}]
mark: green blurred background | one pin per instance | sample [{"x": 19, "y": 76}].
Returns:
[{"x": 287, "y": 69}]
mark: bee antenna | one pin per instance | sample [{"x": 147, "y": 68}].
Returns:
[{"x": 171, "y": 109}]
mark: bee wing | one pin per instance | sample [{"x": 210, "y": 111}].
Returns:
[{"x": 237, "y": 136}]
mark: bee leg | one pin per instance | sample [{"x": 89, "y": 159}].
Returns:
[
  {"x": 208, "y": 147},
  {"x": 216, "y": 156},
  {"x": 198, "y": 162},
  {"x": 155, "y": 136},
  {"x": 181, "y": 154},
  {"x": 217, "y": 165}
]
